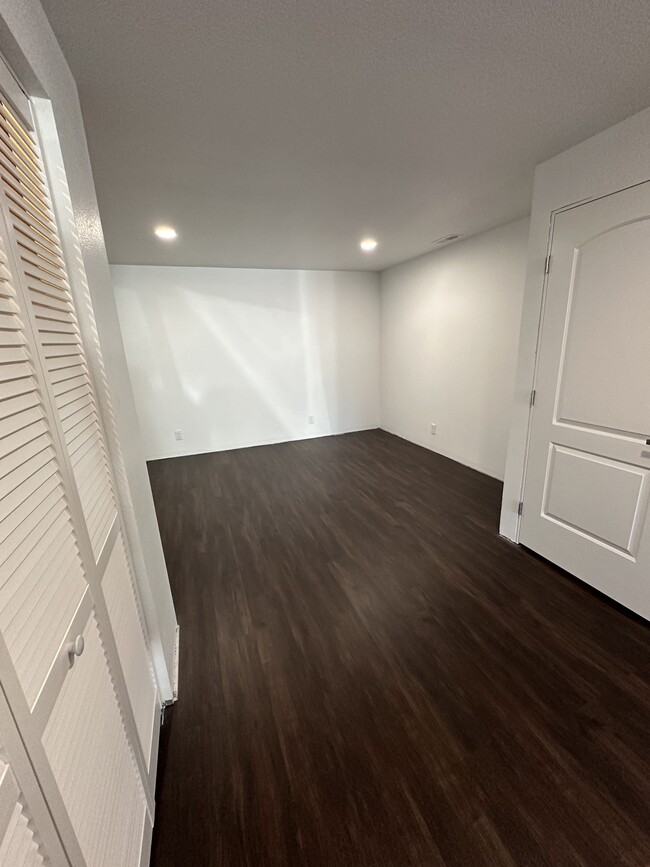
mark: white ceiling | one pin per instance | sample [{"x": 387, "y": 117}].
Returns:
[{"x": 277, "y": 133}]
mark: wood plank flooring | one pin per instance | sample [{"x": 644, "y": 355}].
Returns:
[{"x": 371, "y": 677}]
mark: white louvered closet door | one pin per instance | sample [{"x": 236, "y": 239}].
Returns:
[
  {"x": 20, "y": 845},
  {"x": 74, "y": 661},
  {"x": 27, "y": 838}
]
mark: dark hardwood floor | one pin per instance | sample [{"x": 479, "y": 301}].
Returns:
[{"x": 370, "y": 676}]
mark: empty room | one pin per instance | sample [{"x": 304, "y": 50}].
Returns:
[{"x": 324, "y": 433}]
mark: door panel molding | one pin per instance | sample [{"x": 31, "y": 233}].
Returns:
[{"x": 566, "y": 507}]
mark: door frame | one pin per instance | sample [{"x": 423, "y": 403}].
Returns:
[{"x": 611, "y": 161}]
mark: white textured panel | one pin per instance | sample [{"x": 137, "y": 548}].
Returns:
[
  {"x": 607, "y": 340},
  {"x": 44, "y": 272},
  {"x": 92, "y": 763},
  {"x": 18, "y": 844},
  {"x": 603, "y": 498},
  {"x": 19, "y": 848},
  {"x": 41, "y": 579},
  {"x": 123, "y": 611},
  {"x": 9, "y": 793}
]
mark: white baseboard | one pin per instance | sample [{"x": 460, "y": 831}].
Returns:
[
  {"x": 177, "y": 645},
  {"x": 487, "y": 471},
  {"x": 254, "y": 443}
]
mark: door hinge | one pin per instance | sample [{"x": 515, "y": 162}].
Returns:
[
  {"x": 533, "y": 395},
  {"x": 520, "y": 508},
  {"x": 547, "y": 264}
]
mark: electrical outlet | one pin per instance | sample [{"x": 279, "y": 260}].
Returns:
[
  {"x": 433, "y": 428},
  {"x": 178, "y": 435},
  {"x": 311, "y": 419}
]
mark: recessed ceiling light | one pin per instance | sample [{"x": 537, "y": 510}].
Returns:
[
  {"x": 368, "y": 245},
  {"x": 165, "y": 233}
]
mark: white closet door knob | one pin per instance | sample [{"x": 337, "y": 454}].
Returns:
[{"x": 76, "y": 647}]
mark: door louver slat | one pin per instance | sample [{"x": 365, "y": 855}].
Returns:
[
  {"x": 37, "y": 551},
  {"x": 41, "y": 260}
]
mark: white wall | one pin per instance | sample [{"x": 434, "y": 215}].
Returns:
[
  {"x": 449, "y": 332},
  {"x": 30, "y": 47},
  {"x": 237, "y": 357}
]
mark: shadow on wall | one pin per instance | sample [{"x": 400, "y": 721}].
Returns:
[{"x": 236, "y": 357}]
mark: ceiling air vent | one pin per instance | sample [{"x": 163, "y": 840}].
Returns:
[{"x": 446, "y": 240}]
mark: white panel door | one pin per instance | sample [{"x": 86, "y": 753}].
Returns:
[{"x": 588, "y": 477}]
